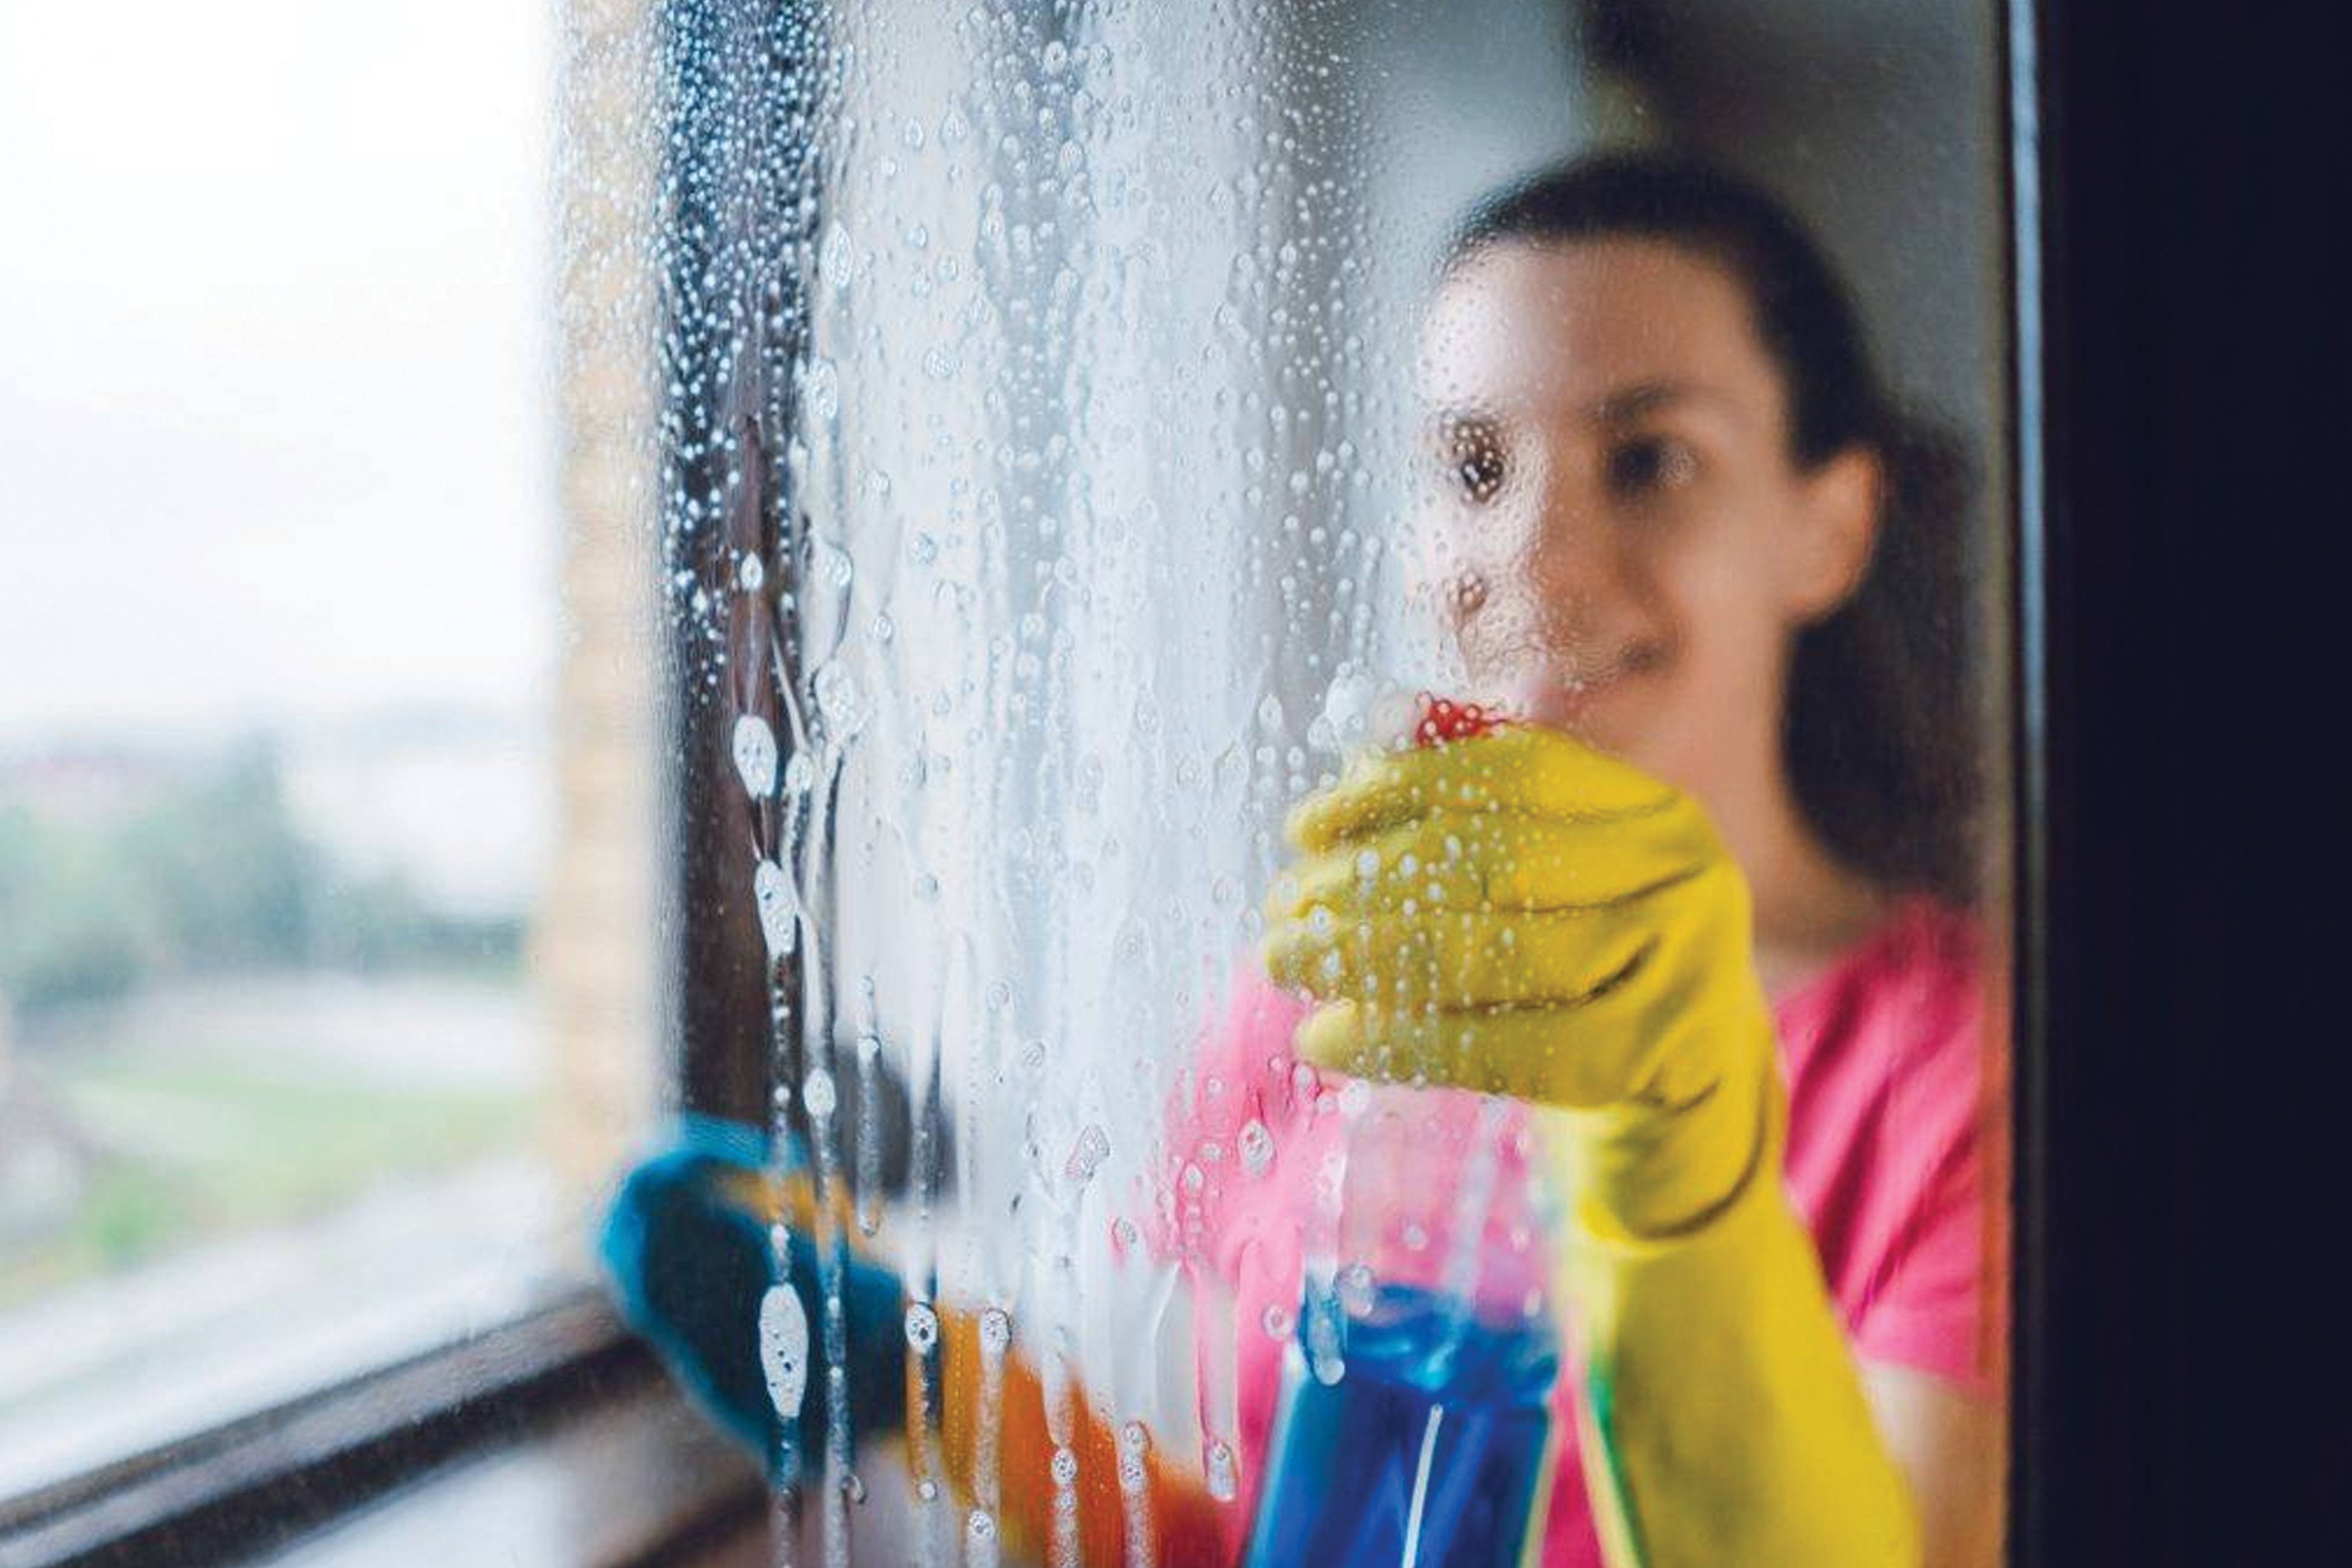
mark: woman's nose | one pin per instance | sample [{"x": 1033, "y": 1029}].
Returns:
[{"x": 1570, "y": 566}]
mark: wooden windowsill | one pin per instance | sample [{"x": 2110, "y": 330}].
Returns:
[
  {"x": 638, "y": 1479},
  {"x": 552, "y": 1439}
]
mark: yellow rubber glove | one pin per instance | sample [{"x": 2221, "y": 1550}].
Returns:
[{"x": 1519, "y": 914}]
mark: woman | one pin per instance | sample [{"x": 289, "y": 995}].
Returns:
[{"x": 1679, "y": 523}]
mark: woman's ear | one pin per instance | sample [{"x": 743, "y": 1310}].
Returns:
[{"x": 1842, "y": 501}]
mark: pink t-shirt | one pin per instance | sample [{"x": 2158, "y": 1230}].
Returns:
[{"x": 1896, "y": 1159}]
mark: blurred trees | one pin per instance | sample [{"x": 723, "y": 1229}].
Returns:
[{"x": 207, "y": 875}]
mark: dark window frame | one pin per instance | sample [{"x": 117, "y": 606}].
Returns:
[
  {"x": 2179, "y": 1378},
  {"x": 256, "y": 1481}
]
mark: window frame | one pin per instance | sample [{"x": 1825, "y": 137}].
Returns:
[
  {"x": 257, "y": 1480},
  {"x": 2178, "y": 1377}
]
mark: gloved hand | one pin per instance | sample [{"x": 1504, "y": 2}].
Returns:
[
  {"x": 686, "y": 1246},
  {"x": 1516, "y": 913}
]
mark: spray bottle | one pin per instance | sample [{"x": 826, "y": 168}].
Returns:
[{"x": 1415, "y": 1429}]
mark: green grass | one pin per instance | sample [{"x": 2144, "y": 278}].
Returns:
[{"x": 203, "y": 1151}]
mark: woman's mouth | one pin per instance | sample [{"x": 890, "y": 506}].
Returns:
[{"x": 1567, "y": 699}]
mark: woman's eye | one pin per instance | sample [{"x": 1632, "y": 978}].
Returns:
[{"x": 1649, "y": 464}]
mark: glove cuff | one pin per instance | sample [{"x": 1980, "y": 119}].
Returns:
[{"x": 1641, "y": 1175}]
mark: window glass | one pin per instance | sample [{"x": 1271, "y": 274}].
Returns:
[
  {"x": 1098, "y": 432},
  {"x": 325, "y": 835}
]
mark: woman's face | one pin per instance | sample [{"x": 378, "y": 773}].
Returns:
[{"x": 1618, "y": 538}]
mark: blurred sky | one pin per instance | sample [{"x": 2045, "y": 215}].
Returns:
[{"x": 274, "y": 423}]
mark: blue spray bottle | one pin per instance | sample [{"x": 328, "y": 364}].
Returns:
[{"x": 1415, "y": 1429}]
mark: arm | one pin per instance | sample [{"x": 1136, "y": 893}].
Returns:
[
  {"x": 1954, "y": 1449},
  {"x": 1932, "y": 1339},
  {"x": 1517, "y": 914}
]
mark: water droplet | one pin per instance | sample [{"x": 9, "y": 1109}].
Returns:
[
  {"x": 923, "y": 1328},
  {"x": 833, "y": 564},
  {"x": 750, "y": 573},
  {"x": 755, "y": 756},
  {"x": 1065, "y": 1466},
  {"x": 1269, "y": 711},
  {"x": 1392, "y": 717},
  {"x": 928, "y": 1490},
  {"x": 800, "y": 774},
  {"x": 833, "y": 260},
  {"x": 1323, "y": 1355},
  {"x": 1134, "y": 1444},
  {"x": 939, "y": 363},
  {"x": 980, "y": 1540},
  {"x": 772, "y": 891},
  {"x": 1088, "y": 1155},
  {"x": 840, "y": 700},
  {"x": 995, "y": 1329},
  {"x": 1230, "y": 771},
  {"x": 1224, "y": 1476},
  {"x": 1257, "y": 1147},
  {"x": 1276, "y": 1322},
  {"x": 1348, "y": 706},
  {"x": 927, "y": 888},
  {"x": 821, "y": 386},
  {"x": 784, "y": 1349},
  {"x": 817, "y": 1093}
]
